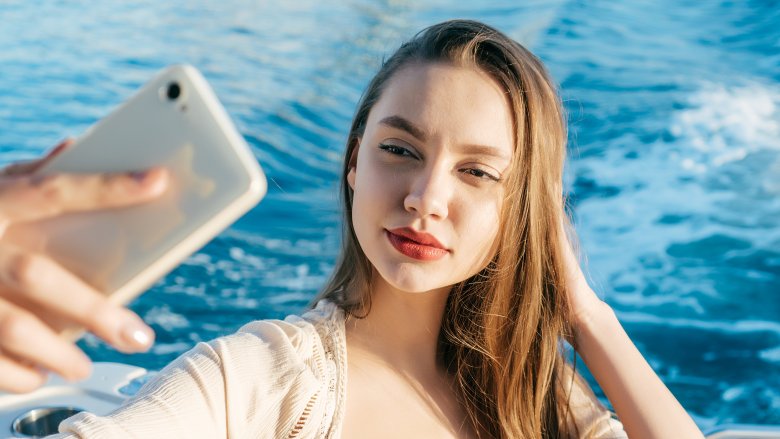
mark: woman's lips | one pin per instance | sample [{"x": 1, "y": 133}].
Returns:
[{"x": 416, "y": 245}]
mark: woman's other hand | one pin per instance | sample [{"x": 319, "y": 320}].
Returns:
[
  {"x": 644, "y": 404},
  {"x": 584, "y": 304},
  {"x": 36, "y": 291}
]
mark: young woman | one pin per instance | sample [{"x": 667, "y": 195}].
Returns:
[{"x": 454, "y": 290}]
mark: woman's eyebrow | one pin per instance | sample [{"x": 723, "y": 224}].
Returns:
[
  {"x": 402, "y": 124},
  {"x": 484, "y": 150},
  {"x": 405, "y": 125}
]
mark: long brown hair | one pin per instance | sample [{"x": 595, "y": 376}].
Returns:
[{"x": 502, "y": 329}]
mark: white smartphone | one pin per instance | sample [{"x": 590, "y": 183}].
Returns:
[{"x": 175, "y": 121}]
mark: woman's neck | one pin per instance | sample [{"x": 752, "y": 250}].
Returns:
[{"x": 401, "y": 329}]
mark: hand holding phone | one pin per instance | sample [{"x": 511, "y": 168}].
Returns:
[
  {"x": 36, "y": 291},
  {"x": 101, "y": 246}
]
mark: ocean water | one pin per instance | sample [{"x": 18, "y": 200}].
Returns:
[{"x": 674, "y": 112}]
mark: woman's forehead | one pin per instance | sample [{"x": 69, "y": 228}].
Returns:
[{"x": 435, "y": 99}]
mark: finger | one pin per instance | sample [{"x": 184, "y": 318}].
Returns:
[
  {"x": 19, "y": 378},
  {"x": 57, "y": 150},
  {"x": 31, "y": 166},
  {"x": 44, "y": 284},
  {"x": 28, "y": 339},
  {"x": 35, "y": 197},
  {"x": 20, "y": 168},
  {"x": 568, "y": 244},
  {"x": 62, "y": 146}
]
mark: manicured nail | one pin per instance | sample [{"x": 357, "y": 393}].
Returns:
[{"x": 137, "y": 336}]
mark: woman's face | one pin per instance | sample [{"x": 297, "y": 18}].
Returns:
[{"x": 428, "y": 176}]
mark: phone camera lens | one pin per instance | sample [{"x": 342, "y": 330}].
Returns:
[{"x": 174, "y": 91}]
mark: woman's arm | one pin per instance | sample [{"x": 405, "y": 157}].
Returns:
[
  {"x": 186, "y": 399},
  {"x": 254, "y": 383},
  {"x": 645, "y": 406}
]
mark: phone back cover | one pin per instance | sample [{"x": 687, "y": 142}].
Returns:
[{"x": 214, "y": 180}]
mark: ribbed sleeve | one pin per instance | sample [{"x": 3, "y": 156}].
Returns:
[{"x": 255, "y": 383}]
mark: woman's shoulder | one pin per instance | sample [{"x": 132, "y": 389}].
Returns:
[
  {"x": 296, "y": 337},
  {"x": 295, "y": 327},
  {"x": 304, "y": 355}
]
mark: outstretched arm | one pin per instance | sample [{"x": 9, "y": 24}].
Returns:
[
  {"x": 254, "y": 383},
  {"x": 645, "y": 406}
]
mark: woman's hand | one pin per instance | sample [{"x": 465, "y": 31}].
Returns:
[
  {"x": 645, "y": 406},
  {"x": 35, "y": 291},
  {"x": 584, "y": 304}
]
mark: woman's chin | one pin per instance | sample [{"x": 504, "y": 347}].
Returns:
[{"x": 413, "y": 279}]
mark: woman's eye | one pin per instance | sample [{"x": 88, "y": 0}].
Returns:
[
  {"x": 395, "y": 150},
  {"x": 480, "y": 174}
]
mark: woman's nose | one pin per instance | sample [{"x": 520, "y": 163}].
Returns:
[{"x": 429, "y": 194}]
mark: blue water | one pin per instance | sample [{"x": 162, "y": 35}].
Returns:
[{"x": 674, "y": 110}]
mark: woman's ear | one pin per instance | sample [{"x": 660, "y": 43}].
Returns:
[{"x": 353, "y": 164}]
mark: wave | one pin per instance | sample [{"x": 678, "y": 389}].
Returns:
[
  {"x": 725, "y": 123},
  {"x": 722, "y": 326}
]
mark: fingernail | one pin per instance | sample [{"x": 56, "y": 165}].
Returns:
[{"x": 138, "y": 336}]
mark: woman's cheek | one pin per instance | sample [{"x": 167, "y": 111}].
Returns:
[
  {"x": 373, "y": 199},
  {"x": 386, "y": 184},
  {"x": 484, "y": 218}
]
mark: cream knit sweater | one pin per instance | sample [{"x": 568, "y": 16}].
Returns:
[{"x": 271, "y": 379}]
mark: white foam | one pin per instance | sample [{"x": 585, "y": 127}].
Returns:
[
  {"x": 170, "y": 348},
  {"x": 723, "y": 326},
  {"x": 733, "y": 393},
  {"x": 725, "y": 124},
  {"x": 771, "y": 355},
  {"x": 165, "y": 318}
]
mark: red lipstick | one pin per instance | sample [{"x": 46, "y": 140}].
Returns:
[{"x": 417, "y": 245}]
